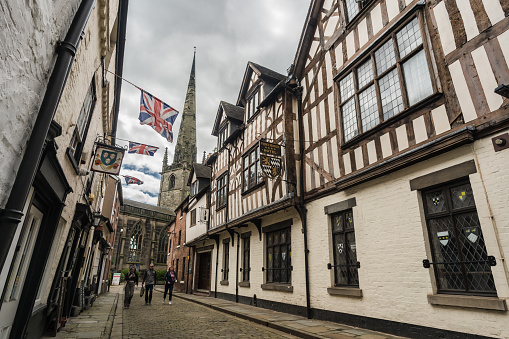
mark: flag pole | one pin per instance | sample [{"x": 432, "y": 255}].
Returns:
[{"x": 118, "y": 76}]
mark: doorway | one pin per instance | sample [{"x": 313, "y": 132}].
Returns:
[{"x": 204, "y": 271}]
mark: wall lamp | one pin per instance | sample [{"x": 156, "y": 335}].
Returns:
[{"x": 503, "y": 90}]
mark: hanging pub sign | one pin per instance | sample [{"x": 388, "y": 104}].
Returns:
[
  {"x": 270, "y": 159},
  {"x": 107, "y": 159}
]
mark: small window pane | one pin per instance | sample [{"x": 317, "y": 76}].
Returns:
[
  {"x": 385, "y": 57},
  {"x": 436, "y": 202},
  {"x": 409, "y": 38},
  {"x": 365, "y": 73},
  {"x": 252, "y": 172},
  {"x": 352, "y": 8},
  {"x": 349, "y": 119},
  {"x": 390, "y": 92},
  {"x": 259, "y": 175},
  {"x": 346, "y": 87},
  {"x": 418, "y": 82},
  {"x": 369, "y": 108},
  {"x": 337, "y": 223},
  {"x": 462, "y": 196}
]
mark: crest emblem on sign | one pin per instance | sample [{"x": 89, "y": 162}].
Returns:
[
  {"x": 436, "y": 201},
  {"x": 443, "y": 237},
  {"x": 107, "y": 159},
  {"x": 472, "y": 233},
  {"x": 271, "y": 167}
]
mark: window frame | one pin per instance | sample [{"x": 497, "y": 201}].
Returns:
[
  {"x": 222, "y": 191},
  {"x": 253, "y": 101},
  {"x": 222, "y": 136},
  {"x": 258, "y": 174},
  {"x": 352, "y": 69},
  {"x": 246, "y": 257},
  {"x": 193, "y": 217},
  {"x": 362, "y": 5},
  {"x": 79, "y": 136},
  {"x": 450, "y": 213},
  {"x": 226, "y": 260},
  {"x": 271, "y": 265},
  {"x": 351, "y": 264}
]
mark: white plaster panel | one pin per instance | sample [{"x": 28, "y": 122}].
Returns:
[
  {"x": 461, "y": 88},
  {"x": 385, "y": 141},
  {"x": 420, "y": 129},
  {"x": 347, "y": 163},
  {"x": 359, "y": 161},
  {"x": 488, "y": 81},
  {"x": 350, "y": 44},
  {"x": 402, "y": 137},
  {"x": 319, "y": 81},
  {"x": 313, "y": 48},
  {"x": 376, "y": 19},
  {"x": 444, "y": 28},
  {"x": 392, "y": 8},
  {"x": 329, "y": 28},
  {"x": 372, "y": 158},
  {"x": 308, "y": 177},
  {"x": 305, "y": 125},
  {"x": 408, "y": 2},
  {"x": 317, "y": 179},
  {"x": 362, "y": 29},
  {"x": 494, "y": 10},
  {"x": 332, "y": 113},
  {"x": 335, "y": 156},
  {"x": 339, "y": 55},
  {"x": 469, "y": 21},
  {"x": 503, "y": 40},
  {"x": 326, "y": 152},
  {"x": 323, "y": 125},
  {"x": 314, "y": 126},
  {"x": 440, "y": 120},
  {"x": 328, "y": 67}
]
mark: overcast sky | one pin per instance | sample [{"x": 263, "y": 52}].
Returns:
[{"x": 161, "y": 35}]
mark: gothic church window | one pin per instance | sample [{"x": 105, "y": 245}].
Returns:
[
  {"x": 172, "y": 182},
  {"x": 394, "y": 77},
  {"x": 135, "y": 243},
  {"x": 162, "y": 250}
]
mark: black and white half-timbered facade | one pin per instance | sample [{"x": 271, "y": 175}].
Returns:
[{"x": 368, "y": 186}]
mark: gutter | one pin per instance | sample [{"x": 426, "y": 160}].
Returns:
[{"x": 11, "y": 216}]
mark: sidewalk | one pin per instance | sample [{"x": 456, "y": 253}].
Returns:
[
  {"x": 97, "y": 321},
  {"x": 288, "y": 323}
]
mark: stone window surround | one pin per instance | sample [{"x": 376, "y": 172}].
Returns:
[
  {"x": 451, "y": 173},
  {"x": 329, "y": 210}
]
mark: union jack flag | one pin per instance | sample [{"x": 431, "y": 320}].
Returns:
[
  {"x": 132, "y": 180},
  {"x": 135, "y": 147},
  {"x": 155, "y": 113}
]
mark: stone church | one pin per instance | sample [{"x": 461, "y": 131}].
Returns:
[{"x": 174, "y": 177}]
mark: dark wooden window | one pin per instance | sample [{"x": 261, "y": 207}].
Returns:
[
  {"x": 245, "y": 258},
  {"x": 193, "y": 217},
  {"x": 226, "y": 260},
  {"x": 353, "y": 7},
  {"x": 223, "y": 135},
  {"x": 135, "y": 243},
  {"x": 253, "y": 102},
  {"x": 81, "y": 130},
  {"x": 279, "y": 264},
  {"x": 456, "y": 240},
  {"x": 252, "y": 172},
  {"x": 345, "y": 253},
  {"x": 395, "y": 76},
  {"x": 222, "y": 191}
]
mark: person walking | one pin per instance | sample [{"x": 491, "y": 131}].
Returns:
[
  {"x": 130, "y": 280},
  {"x": 149, "y": 279},
  {"x": 169, "y": 280}
]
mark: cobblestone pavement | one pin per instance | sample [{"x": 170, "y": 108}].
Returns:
[{"x": 185, "y": 319}]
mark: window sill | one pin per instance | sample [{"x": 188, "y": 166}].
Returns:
[
  {"x": 484, "y": 303},
  {"x": 224, "y": 282},
  {"x": 277, "y": 287},
  {"x": 252, "y": 117},
  {"x": 249, "y": 190},
  {"x": 345, "y": 291},
  {"x": 244, "y": 284}
]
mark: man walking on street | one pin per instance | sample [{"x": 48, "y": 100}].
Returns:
[
  {"x": 169, "y": 280},
  {"x": 149, "y": 279}
]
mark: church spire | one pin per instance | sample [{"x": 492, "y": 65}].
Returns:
[
  {"x": 185, "y": 150},
  {"x": 165, "y": 159}
]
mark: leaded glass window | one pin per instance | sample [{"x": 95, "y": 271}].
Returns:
[
  {"x": 392, "y": 78},
  {"x": 353, "y": 7},
  {"x": 252, "y": 172},
  {"x": 344, "y": 249},
  {"x": 162, "y": 249},
  {"x": 222, "y": 191},
  {"x": 226, "y": 260},
  {"x": 457, "y": 242},
  {"x": 135, "y": 243},
  {"x": 279, "y": 255}
]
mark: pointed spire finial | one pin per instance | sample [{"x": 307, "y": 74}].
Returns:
[
  {"x": 165, "y": 158},
  {"x": 204, "y": 158}
]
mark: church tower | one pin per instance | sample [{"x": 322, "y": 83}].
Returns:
[{"x": 173, "y": 188}]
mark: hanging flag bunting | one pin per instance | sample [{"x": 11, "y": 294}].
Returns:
[
  {"x": 107, "y": 159},
  {"x": 155, "y": 113},
  {"x": 137, "y": 148},
  {"x": 132, "y": 180}
]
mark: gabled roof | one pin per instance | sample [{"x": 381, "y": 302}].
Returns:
[
  {"x": 201, "y": 171},
  {"x": 306, "y": 37},
  {"x": 231, "y": 111},
  {"x": 266, "y": 74}
]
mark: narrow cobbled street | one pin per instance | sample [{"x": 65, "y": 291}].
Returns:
[{"x": 185, "y": 319}]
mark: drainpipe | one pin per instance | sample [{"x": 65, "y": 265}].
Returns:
[
  {"x": 217, "y": 265},
  {"x": 237, "y": 271},
  {"x": 11, "y": 216},
  {"x": 301, "y": 206}
]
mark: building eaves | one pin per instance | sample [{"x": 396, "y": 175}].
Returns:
[{"x": 138, "y": 204}]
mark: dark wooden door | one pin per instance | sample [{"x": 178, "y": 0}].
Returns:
[{"x": 204, "y": 271}]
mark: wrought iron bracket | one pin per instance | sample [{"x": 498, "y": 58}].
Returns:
[
  {"x": 258, "y": 224},
  {"x": 491, "y": 261}
]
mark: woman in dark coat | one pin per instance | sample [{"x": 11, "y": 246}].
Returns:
[{"x": 169, "y": 279}]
